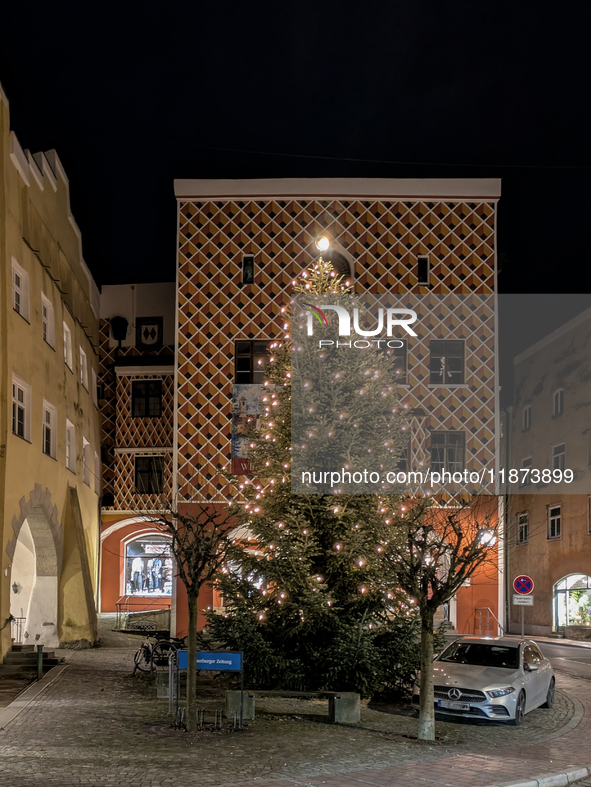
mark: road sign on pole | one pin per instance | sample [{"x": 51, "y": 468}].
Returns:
[
  {"x": 523, "y": 601},
  {"x": 523, "y": 585}
]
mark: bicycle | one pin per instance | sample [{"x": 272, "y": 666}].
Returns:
[{"x": 150, "y": 654}]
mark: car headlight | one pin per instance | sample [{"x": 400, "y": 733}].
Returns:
[{"x": 500, "y": 692}]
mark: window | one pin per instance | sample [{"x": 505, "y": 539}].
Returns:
[
  {"x": 20, "y": 290},
  {"x": 94, "y": 387},
  {"x": 558, "y": 402},
  {"x": 68, "y": 347},
  {"x": 447, "y": 362},
  {"x": 526, "y": 419},
  {"x": 531, "y": 655},
  {"x": 524, "y": 479},
  {"x": 49, "y": 430},
  {"x": 97, "y": 474},
  {"x": 149, "y": 472},
  {"x": 447, "y": 451},
  {"x": 249, "y": 362},
  {"x": 554, "y": 521},
  {"x": 21, "y": 408},
  {"x": 400, "y": 364},
  {"x": 423, "y": 270},
  {"x": 559, "y": 457},
  {"x": 86, "y": 461},
  {"x": 146, "y": 398},
  {"x": 148, "y": 567},
  {"x": 248, "y": 270},
  {"x": 47, "y": 321},
  {"x": 83, "y": 369},
  {"x": 70, "y": 446},
  {"x": 522, "y": 527}
]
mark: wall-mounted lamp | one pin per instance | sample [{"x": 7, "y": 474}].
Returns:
[
  {"x": 322, "y": 243},
  {"x": 15, "y": 587},
  {"x": 487, "y": 536}
]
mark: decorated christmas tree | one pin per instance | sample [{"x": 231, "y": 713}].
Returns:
[{"x": 303, "y": 590}]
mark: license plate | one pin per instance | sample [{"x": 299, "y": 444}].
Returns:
[{"x": 453, "y": 705}]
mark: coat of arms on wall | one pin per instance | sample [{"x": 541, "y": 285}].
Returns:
[{"x": 148, "y": 333}]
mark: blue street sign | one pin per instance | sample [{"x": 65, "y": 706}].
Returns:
[{"x": 212, "y": 659}]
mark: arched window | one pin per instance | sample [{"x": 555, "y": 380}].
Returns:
[
  {"x": 148, "y": 566},
  {"x": 572, "y": 601},
  {"x": 340, "y": 263}
]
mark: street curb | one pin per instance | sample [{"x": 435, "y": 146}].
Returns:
[
  {"x": 562, "y": 779},
  {"x": 11, "y": 711}
]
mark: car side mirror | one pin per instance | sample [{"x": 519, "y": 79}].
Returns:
[{"x": 531, "y": 667}]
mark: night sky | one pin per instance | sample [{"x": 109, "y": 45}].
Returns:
[{"x": 134, "y": 95}]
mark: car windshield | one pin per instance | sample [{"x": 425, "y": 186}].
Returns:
[{"x": 481, "y": 654}]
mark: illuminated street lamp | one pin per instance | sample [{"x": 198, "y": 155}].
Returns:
[{"x": 322, "y": 243}]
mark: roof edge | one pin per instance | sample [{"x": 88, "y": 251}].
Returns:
[{"x": 452, "y": 188}]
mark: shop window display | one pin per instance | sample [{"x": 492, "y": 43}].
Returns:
[{"x": 148, "y": 567}]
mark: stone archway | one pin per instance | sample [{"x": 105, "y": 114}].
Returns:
[{"x": 35, "y": 552}]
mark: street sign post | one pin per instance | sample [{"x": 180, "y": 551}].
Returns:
[
  {"x": 218, "y": 660},
  {"x": 523, "y": 601},
  {"x": 523, "y": 587}
]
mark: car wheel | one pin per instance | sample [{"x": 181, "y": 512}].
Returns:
[
  {"x": 550, "y": 695},
  {"x": 519, "y": 710}
]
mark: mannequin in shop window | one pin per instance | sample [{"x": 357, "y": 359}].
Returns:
[{"x": 136, "y": 574}]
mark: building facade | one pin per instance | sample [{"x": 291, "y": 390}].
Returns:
[
  {"x": 136, "y": 388},
  {"x": 549, "y": 523},
  {"x": 49, "y": 421},
  {"x": 241, "y": 243}
]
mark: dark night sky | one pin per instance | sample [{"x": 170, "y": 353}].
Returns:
[{"x": 133, "y": 95}]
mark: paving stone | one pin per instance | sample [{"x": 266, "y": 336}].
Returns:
[{"x": 97, "y": 725}]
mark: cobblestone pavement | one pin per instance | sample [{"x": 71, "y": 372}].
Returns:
[{"x": 95, "y": 725}]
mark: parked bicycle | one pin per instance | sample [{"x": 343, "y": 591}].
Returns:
[{"x": 154, "y": 652}]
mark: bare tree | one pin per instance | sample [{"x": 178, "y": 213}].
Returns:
[
  {"x": 432, "y": 552},
  {"x": 199, "y": 543}
]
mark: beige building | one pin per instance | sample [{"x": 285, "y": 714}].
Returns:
[
  {"x": 49, "y": 418},
  {"x": 549, "y": 524}
]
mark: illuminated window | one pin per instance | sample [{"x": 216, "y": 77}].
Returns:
[
  {"x": 446, "y": 365},
  {"x": 148, "y": 567}
]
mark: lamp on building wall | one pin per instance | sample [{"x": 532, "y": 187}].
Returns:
[
  {"x": 322, "y": 243},
  {"x": 487, "y": 536},
  {"x": 15, "y": 587}
]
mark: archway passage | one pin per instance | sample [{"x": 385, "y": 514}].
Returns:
[
  {"x": 572, "y": 601},
  {"x": 34, "y": 581}
]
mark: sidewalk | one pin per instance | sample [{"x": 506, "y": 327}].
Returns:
[{"x": 95, "y": 725}]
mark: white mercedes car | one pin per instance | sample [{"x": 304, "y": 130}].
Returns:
[{"x": 491, "y": 678}]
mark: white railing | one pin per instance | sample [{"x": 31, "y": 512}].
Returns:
[
  {"x": 479, "y": 614},
  {"x": 17, "y": 627}
]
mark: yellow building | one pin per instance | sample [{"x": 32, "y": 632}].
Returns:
[{"x": 49, "y": 418}]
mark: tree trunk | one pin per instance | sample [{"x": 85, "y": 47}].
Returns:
[
  {"x": 191, "y": 715},
  {"x": 426, "y": 699}
]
